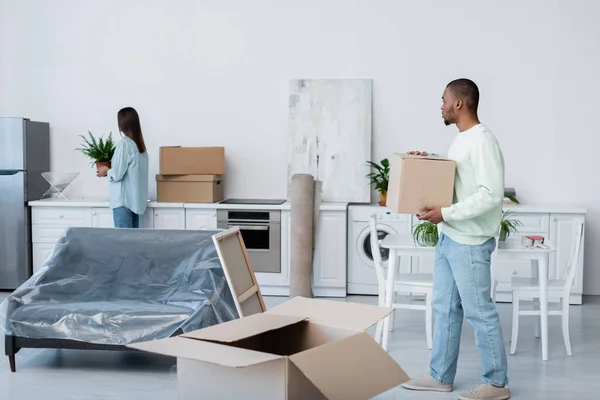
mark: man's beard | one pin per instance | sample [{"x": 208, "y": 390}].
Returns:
[{"x": 446, "y": 122}]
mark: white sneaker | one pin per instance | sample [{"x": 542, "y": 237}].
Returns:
[
  {"x": 426, "y": 383},
  {"x": 485, "y": 391}
]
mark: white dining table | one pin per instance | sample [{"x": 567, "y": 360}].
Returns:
[{"x": 403, "y": 246}]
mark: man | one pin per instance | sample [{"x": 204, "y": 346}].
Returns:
[{"x": 468, "y": 229}]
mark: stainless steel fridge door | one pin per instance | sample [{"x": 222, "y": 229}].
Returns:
[
  {"x": 12, "y": 142},
  {"x": 14, "y": 237},
  {"x": 37, "y": 157}
]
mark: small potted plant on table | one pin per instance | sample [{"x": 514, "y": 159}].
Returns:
[
  {"x": 100, "y": 151},
  {"x": 380, "y": 178},
  {"x": 508, "y": 225},
  {"x": 426, "y": 234}
]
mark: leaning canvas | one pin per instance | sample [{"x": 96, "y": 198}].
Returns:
[{"x": 329, "y": 135}]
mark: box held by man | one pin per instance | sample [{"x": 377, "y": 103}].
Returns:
[{"x": 419, "y": 181}]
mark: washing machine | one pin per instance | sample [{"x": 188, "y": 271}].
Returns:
[{"x": 362, "y": 279}]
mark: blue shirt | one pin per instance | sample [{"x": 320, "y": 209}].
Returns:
[{"x": 128, "y": 177}]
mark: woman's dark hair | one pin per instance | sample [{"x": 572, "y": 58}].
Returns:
[{"x": 129, "y": 124}]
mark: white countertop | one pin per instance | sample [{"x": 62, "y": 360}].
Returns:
[
  {"x": 84, "y": 202},
  {"x": 69, "y": 203},
  {"x": 546, "y": 208},
  {"x": 93, "y": 202}
]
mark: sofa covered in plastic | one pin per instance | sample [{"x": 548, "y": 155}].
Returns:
[{"x": 107, "y": 288}]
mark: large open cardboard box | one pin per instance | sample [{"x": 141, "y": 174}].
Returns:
[
  {"x": 302, "y": 349},
  {"x": 417, "y": 181}
]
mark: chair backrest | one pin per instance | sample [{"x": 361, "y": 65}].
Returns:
[
  {"x": 571, "y": 269},
  {"x": 375, "y": 251}
]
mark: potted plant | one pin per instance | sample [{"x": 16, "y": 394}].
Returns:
[
  {"x": 380, "y": 178},
  {"x": 426, "y": 234},
  {"x": 100, "y": 151},
  {"x": 508, "y": 225}
]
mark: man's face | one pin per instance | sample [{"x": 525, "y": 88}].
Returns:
[{"x": 448, "y": 110}]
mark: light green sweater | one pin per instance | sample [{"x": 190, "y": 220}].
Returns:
[{"x": 478, "y": 189}]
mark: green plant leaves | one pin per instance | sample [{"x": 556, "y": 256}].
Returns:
[
  {"x": 380, "y": 177},
  {"x": 512, "y": 198},
  {"x": 98, "y": 150},
  {"x": 426, "y": 234},
  {"x": 509, "y": 225}
]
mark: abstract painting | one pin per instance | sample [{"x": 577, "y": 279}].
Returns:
[{"x": 329, "y": 135}]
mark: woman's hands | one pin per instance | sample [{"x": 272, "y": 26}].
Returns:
[{"x": 101, "y": 171}]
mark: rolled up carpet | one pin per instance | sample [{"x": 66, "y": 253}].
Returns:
[{"x": 301, "y": 252}]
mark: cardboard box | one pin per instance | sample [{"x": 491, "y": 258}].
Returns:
[
  {"x": 189, "y": 188},
  {"x": 301, "y": 349},
  {"x": 417, "y": 181},
  {"x": 177, "y": 160}
]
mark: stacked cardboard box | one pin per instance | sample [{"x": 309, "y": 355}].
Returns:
[{"x": 190, "y": 174}]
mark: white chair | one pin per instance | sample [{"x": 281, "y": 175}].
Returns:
[
  {"x": 409, "y": 283},
  {"x": 559, "y": 290}
]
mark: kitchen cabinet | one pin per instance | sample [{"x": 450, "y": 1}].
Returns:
[
  {"x": 200, "y": 219},
  {"x": 50, "y": 218},
  {"x": 169, "y": 218},
  {"x": 329, "y": 264},
  {"x": 61, "y": 216},
  {"x": 40, "y": 251},
  {"x": 102, "y": 218},
  {"x": 555, "y": 227},
  {"x": 48, "y": 224},
  {"x": 504, "y": 270}
]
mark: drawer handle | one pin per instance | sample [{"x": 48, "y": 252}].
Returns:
[
  {"x": 60, "y": 216},
  {"x": 156, "y": 214}
]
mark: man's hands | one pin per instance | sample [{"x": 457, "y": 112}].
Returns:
[
  {"x": 431, "y": 214},
  {"x": 418, "y": 153}
]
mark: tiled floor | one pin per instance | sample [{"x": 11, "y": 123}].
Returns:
[{"x": 70, "y": 375}]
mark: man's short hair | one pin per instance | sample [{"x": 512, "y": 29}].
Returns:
[{"x": 467, "y": 91}]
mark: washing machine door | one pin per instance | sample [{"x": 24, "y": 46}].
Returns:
[{"x": 363, "y": 245}]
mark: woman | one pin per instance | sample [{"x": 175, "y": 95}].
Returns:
[{"x": 128, "y": 174}]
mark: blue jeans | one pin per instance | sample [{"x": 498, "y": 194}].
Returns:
[
  {"x": 461, "y": 286},
  {"x": 125, "y": 218}
]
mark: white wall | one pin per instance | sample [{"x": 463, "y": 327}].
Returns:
[{"x": 217, "y": 73}]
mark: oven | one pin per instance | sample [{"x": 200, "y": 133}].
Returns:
[{"x": 261, "y": 231}]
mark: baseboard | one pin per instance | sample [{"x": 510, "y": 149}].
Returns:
[
  {"x": 506, "y": 297},
  {"x": 318, "y": 291}
]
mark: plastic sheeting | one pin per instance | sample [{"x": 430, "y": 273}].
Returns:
[{"x": 120, "y": 286}]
